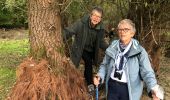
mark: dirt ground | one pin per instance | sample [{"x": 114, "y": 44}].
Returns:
[
  {"x": 13, "y": 34},
  {"x": 163, "y": 78}
]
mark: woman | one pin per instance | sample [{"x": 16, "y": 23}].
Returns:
[{"x": 125, "y": 66}]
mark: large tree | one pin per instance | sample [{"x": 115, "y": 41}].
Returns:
[{"x": 47, "y": 74}]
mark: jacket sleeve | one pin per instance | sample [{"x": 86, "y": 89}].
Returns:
[
  {"x": 146, "y": 70},
  {"x": 68, "y": 32},
  {"x": 103, "y": 67}
]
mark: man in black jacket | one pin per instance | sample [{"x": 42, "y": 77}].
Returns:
[{"x": 89, "y": 37}]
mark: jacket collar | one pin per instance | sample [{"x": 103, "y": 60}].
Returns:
[
  {"x": 112, "y": 50},
  {"x": 135, "y": 49}
]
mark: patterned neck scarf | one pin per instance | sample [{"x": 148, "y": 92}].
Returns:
[{"x": 121, "y": 56}]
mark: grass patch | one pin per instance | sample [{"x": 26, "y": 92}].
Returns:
[
  {"x": 12, "y": 52},
  {"x": 7, "y": 77}
]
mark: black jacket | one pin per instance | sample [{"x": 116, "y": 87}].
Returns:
[{"x": 80, "y": 29}]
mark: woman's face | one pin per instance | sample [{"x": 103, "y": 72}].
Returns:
[
  {"x": 95, "y": 17},
  {"x": 125, "y": 32}
]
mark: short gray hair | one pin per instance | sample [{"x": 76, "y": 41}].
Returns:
[
  {"x": 128, "y": 21},
  {"x": 98, "y": 9}
]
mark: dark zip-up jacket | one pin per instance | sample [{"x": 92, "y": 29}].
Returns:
[{"x": 81, "y": 30}]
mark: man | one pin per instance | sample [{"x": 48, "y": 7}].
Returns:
[
  {"x": 89, "y": 37},
  {"x": 126, "y": 64}
]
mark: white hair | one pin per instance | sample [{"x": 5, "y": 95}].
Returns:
[{"x": 128, "y": 21}]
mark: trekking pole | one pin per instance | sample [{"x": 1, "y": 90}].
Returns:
[{"x": 97, "y": 93}]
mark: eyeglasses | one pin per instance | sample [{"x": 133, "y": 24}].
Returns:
[
  {"x": 99, "y": 17},
  {"x": 124, "y": 30}
]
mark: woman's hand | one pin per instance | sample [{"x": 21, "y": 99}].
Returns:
[
  {"x": 96, "y": 80},
  {"x": 157, "y": 93},
  {"x": 154, "y": 96}
]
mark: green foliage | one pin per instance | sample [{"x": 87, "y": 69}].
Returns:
[
  {"x": 5, "y": 18},
  {"x": 75, "y": 11},
  {"x": 13, "y": 4},
  {"x": 13, "y": 13},
  {"x": 10, "y": 4}
]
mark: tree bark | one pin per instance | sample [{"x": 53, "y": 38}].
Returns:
[{"x": 45, "y": 29}]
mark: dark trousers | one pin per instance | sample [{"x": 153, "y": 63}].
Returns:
[
  {"x": 88, "y": 72},
  {"x": 117, "y": 90}
]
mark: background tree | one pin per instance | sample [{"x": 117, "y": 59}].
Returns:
[{"x": 150, "y": 20}]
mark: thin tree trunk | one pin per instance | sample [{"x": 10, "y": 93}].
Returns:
[{"x": 145, "y": 19}]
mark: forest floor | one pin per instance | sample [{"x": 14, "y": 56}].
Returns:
[{"x": 163, "y": 78}]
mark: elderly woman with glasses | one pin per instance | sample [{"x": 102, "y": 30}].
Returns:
[{"x": 126, "y": 67}]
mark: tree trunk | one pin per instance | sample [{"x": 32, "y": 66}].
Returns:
[
  {"x": 54, "y": 77},
  {"x": 45, "y": 31}
]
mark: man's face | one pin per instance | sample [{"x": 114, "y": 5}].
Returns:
[
  {"x": 125, "y": 33},
  {"x": 95, "y": 17}
]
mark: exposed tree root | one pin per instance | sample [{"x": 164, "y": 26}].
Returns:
[{"x": 36, "y": 81}]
